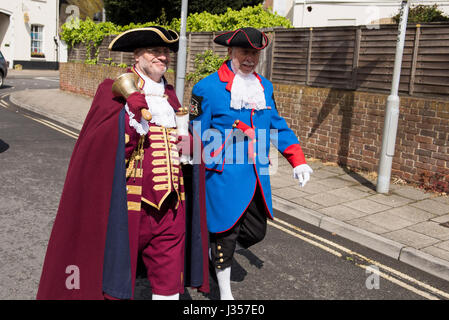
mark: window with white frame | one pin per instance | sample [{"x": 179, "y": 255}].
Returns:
[{"x": 36, "y": 41}]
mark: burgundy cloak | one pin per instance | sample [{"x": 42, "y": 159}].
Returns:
[{"x": 88, "y": 211}]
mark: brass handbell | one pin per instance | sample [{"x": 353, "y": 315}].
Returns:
[{"x": 125, "y": 85}]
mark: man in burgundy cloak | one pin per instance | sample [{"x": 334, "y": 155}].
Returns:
[{"x": 126, "y": 194}]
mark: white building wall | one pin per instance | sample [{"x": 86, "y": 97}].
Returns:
[
  {"x": 16, "y": 44},
  {"x": 8, "y": 17},
  {"x": 351, "y": 12}
]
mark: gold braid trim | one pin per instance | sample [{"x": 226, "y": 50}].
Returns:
[{"x": 136, "y": 159}]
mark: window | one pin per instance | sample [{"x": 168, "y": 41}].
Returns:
[{"x": 36, "y": 41}]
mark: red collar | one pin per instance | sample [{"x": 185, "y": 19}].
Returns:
[{"x": 226, "y": 75}]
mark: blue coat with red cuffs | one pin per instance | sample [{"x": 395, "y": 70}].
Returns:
[{"x": 235, "y": 147}]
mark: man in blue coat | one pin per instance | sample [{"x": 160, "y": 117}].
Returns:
[{"x": 233, "y": 118}]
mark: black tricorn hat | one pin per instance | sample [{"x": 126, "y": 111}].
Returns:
[
  {"x": 243, "y": 37},
  {"x": 154, "y": 36}
]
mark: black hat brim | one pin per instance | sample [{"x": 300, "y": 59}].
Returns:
[
  {"x": 244, "y": 38},
  {"x": 131, "y": 40}
]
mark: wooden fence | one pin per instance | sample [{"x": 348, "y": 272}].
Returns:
[{"x": 352, "y": 58}]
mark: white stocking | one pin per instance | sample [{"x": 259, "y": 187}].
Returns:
[
  {"x": 172, "y": 297},
  {"x": 224, "y": 283}
]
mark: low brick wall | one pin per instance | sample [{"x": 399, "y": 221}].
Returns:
[
  {"x": 346, "y": 127},
  {"x": 84, "y": 79},
  {"x": 337, "y": 125}
]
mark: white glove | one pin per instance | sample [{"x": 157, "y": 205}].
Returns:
[{"x": 302, "y": 173}]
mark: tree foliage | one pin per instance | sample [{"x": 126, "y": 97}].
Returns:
[
  {"x": 256, "y": 17},
  {"x": 205, "y": 64},
  {"x": 140, "y": 11},
  {"x": 423, "y": 13},
  {"x": 91, "y": 34},
  {"x": 87, "y": 31}
]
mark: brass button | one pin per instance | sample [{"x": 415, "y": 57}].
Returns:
[
  {"x": 221, "y": 254},
  {"x": 218, "y": 267},
  {"x": 219, "y": 247},
  {"x": 221, "y": 260}
]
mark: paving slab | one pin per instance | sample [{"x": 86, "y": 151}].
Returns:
[
  {"x": 388, "y": 221},
  {"x": 325, "y": 199},
  {"x": 314, "y": 187},
  {"x": 349, "y": 193},
  {"x": 411, "y": 193},
  {"x": 288, "y": 193},
  {"x": 336, "y": 182},
  {"x": 410, "y": 213},
  {"x": 323, "y": 174},
  {"x": 391, "y": 200},
  {"x": 432, "y": 206},
  {"x": 342, "y": 213},
  {"x": 442, "y": 199},
  {"x": 367, "y": 206},
  {"x": 368, "y": 226},
  {"x": 411, "y": 238},
  {"x": 443, "y": 245},
  {"x": 306, "y": 203},
  {"x": 441, "y": 219},
  {"x": 431, "y": 229}
]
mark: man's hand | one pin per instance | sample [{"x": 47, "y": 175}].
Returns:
[
  {"x": 302, "y": 173},
  {"x": 185, "y": 145},
  {"x": 136, "y": 101}
]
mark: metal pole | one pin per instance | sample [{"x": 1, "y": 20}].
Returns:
[
  {"x": 392, "y": 109},
  {"x": 181, "y": 65}
]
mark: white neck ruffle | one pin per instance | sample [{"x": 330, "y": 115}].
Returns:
[
  {"x": 247, "y": 92},
  {"x": 162, "y": 113}
]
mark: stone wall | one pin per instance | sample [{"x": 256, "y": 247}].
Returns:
[{"x": 336, "y": 125}]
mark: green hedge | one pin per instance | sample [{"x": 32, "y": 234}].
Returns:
[{"x": 91, "y": 33}]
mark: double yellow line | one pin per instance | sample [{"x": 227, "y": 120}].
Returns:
[
  {"x": 47, "y": 123},
  {"x": 54, "y": 126},
  {"x": 393, "y": 275},
  {"x": 3, "y": 103}
]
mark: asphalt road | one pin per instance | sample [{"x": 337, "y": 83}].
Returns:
[{"x": 295, "y": 261}]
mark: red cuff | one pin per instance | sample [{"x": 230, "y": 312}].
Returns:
[{"x": 294, "y": 155}]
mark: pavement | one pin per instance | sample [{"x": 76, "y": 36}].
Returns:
[{"x": 407, "y": 224}]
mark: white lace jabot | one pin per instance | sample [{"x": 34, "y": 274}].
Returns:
[
  {"x": 161, "y": 111},
  {"x": 247, "y": 92}
]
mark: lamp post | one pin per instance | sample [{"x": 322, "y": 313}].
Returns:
[
  {"x": 182, "y": 52},
  {"x": 182, "y": 118},
  {"x": 392, "y": 109}
]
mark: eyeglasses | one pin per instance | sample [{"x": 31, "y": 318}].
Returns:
[{"x": 158, "y": 51}]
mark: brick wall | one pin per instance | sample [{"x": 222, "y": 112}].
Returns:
[
  {"x": 346, "y": 127},
  {"x": 336, "y": 125}
]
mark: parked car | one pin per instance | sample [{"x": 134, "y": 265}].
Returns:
[{"x": 3, "y": 69}]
